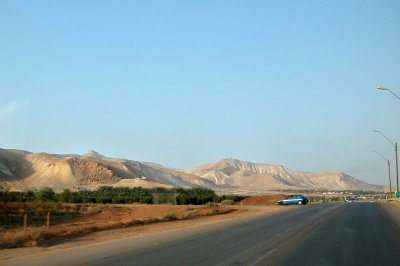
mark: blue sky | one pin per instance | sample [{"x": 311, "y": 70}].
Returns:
[{"x": 183, "y": 83}]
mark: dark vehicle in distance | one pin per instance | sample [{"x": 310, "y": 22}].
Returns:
[{"x": 293, "y": 199}]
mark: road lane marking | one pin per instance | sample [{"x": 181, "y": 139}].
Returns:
[{"x": 262, "y": 257}]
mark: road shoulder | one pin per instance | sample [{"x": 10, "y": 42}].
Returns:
[{"x": 138, "y": 231}]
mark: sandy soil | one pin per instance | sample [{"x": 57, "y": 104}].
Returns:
[
  {"x": 94, "y": 217},
  {"x": 264, "y": 200},
  {"x": 141, "y": 211}
]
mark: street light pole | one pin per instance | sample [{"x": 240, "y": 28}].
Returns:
[
  {"x": 395, "y": 145},
  {"x": 386, "y": 89},
  {"x": 397, "y": 169},
  {"x": 395, "y": 151},
  {"x": 388, "y": 164},
  {"x": 390, "y": 179}
]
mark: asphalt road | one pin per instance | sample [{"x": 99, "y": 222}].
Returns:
[{"x": 327, "y": 234}]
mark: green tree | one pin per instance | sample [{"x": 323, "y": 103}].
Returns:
[
  {"x": 66, "y": 196},
  {"x": 46, "y": 194}
]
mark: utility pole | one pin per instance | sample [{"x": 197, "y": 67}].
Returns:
[
  {"x": 395, "y": 145},
  {"x": 397, "y": 170},
  {"x": 397, "y": 164},
  {"x": 388, "y": 163},
  {"x": 390, "y": 179}
]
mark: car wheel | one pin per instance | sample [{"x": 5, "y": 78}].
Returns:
[{"x": 300, "y": 202}]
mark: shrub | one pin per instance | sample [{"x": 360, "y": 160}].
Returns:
[
  {"x": 46, "y": 194},
  {"x": 95, "y": 209},
  {"x": 65, "y": 196},
  {"x": 234, "y": 198},
  {"x": 77, "y": 199},
  {"x": 188, "y": 214},
  {"x": 227, "y": 202},
  {"x": 146, "y": 200},
  {"x": 122, "y": 195},
  {"x": 154, "y": 219},
  {"x": 105, "y": 200},
  {"x": 170, "y": 216},
  {"x": 118, "y": 200}
]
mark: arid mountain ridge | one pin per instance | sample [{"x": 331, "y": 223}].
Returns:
[
  {"x": 22, "y": 170},
  {"x": 238, "y": 173}
]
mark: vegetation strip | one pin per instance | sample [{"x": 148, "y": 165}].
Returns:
[
  {"x": 121, "y": 195},
  {"x": 30, "y": 217}
]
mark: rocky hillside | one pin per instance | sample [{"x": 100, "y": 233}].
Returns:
[
  {"x": 26, "y": 170},
  {"x": 247, "y": 175}
]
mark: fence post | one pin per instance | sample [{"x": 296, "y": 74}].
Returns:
[
  {"x": 25, "y": 221},
  {"x": 175, "y": 195},
  {"x": 48, "y": 220}
]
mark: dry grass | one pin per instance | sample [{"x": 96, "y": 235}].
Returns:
[
  {"x": 395, "y": 201},
  {"x": 228, "y": 202},
  {"x": 170, "y": 216},
  {"x": 12, "y": 213},
  {"x": 90, "y": 218}
]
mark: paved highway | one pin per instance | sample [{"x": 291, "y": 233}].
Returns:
[{"x": 326, "y": 234}]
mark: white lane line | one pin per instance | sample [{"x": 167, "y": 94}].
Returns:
[{"x": 262, "y": 257}]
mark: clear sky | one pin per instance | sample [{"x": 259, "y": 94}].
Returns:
[{"x": 183, "y": 83}]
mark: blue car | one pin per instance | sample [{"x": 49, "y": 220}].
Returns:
[{"x": 293, "y": 199}]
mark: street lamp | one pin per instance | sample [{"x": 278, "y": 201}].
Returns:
[
  {"x": 388, "y": 163},
  {"x": 395, "y": 151},
  {"x": 386, "y": 89}
]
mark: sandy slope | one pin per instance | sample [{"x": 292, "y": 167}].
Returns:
[
  {"x": 244, "y": 175},
  {"x": 25, "y": 170}
]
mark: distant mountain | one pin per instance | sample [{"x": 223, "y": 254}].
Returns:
[
  {"x": 21, "y": 170},
  {"x": 94, "y": 154},
  {"x": 25, "y": 170},
  {"x": 247, "y": 175}
]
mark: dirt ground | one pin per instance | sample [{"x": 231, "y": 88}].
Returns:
[
  {"x": 263, "y": 200},
  {"x": 95, "y": 217},
  {"x": 155, "y": 215}
]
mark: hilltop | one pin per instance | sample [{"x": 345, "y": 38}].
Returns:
[
  {"x": 21, "y": 170},
  {"x": 261, "y": 176}
]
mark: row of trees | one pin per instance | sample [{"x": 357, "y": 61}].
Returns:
[{"x": 121, "y": 195}]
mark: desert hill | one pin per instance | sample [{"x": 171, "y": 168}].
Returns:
[
  {"x": 247, "y": 175},
  {"x": 26, "y": 170},
  {"x": 23, "y": 170}
]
